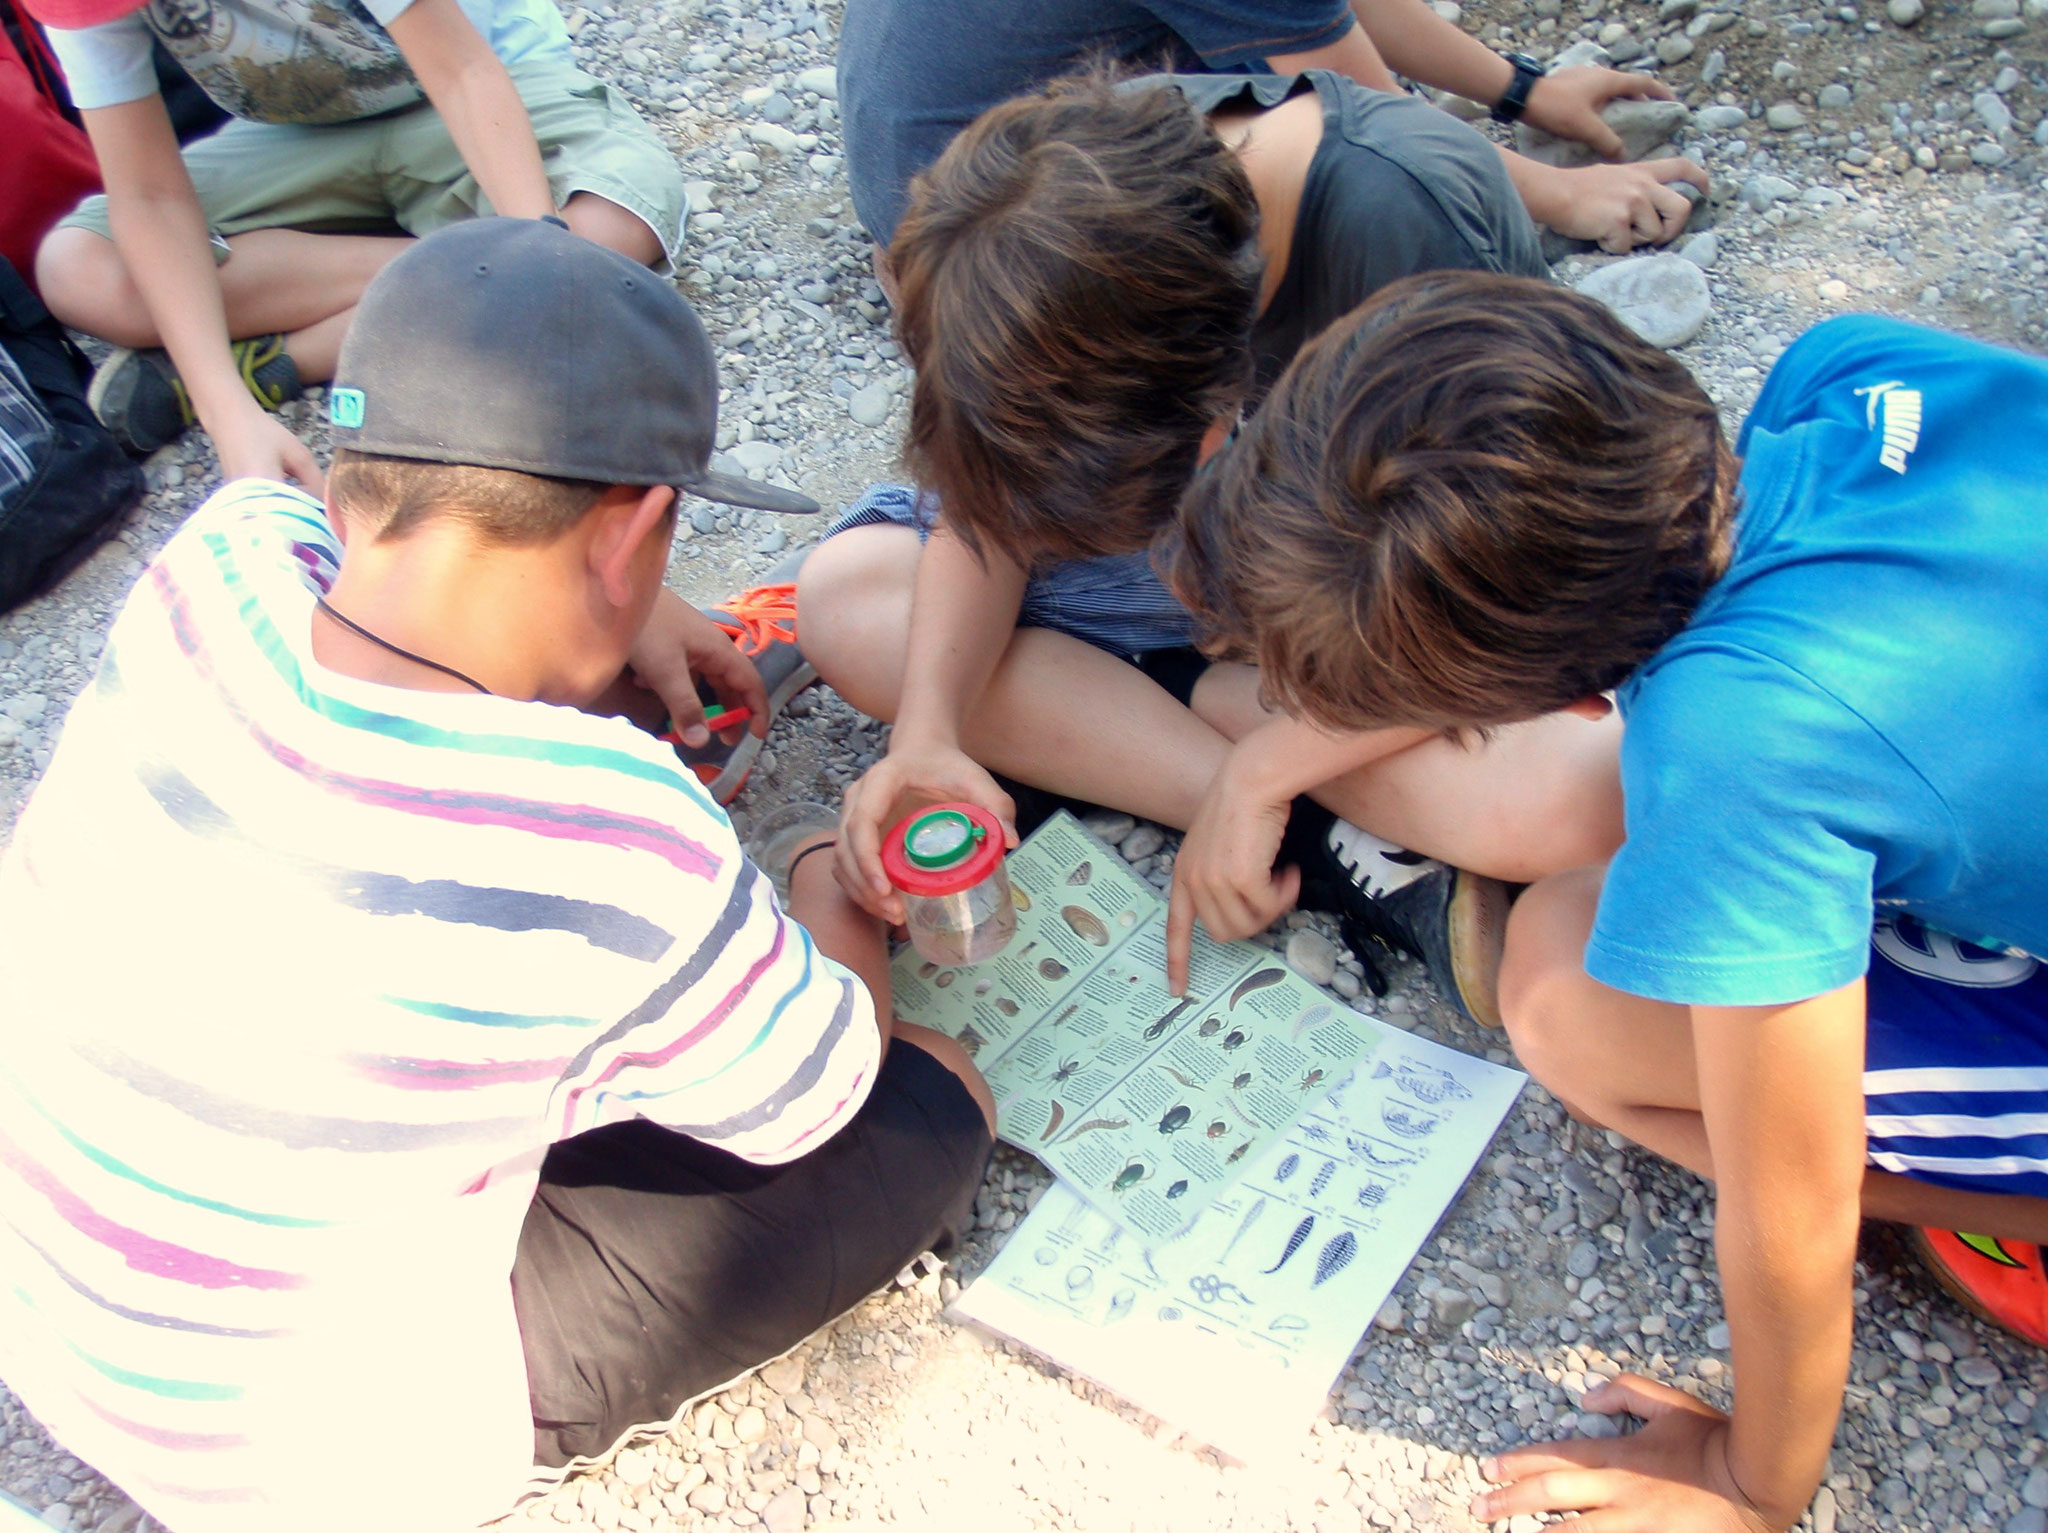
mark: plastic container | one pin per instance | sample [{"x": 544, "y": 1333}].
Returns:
[{"x": 947, "y": 862}]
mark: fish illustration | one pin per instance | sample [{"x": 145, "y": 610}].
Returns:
[
  {"x": 1426, "y": 1083},
  {"x": 1052, "y": 968},
  {"x": 1095, "y": 1123},
  {"x": 1335, "y": 1257},
  {"x": 1265, "y": 979},
  {"x": 1086, "y": 923},
  {"x": 1294, "y": 1243},
  {"x": 1175, "y": 1120},
  {"x": 1081, "y": 874},
  {"x": 1310, "y": 1019},
  {"x": 1408, "y": 1125}
]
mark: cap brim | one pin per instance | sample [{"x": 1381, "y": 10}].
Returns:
[{"x": 738, "y": 490}]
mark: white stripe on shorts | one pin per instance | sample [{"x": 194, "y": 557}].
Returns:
[
  {"x": 1957, "y": 1125},
  {"x": 1959, "y": 1165},
  {"x": 1938, "y": 1078}
]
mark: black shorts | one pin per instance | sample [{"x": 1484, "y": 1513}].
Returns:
[{"x": 653, "y": 1269}]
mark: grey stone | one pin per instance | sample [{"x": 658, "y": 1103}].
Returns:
[
  {"x": 1834, "y": 97},
  {"x": 774, "y": 541},
  {"x": 822, "y": 81},
  {"x": 1994, "y": 10},
  {"x": 1719, "y": 1337},
  {"x": 773, "y": 137},
  {"x": 2028, "y": 1519},
  {"x": 1988, "y": 154},
  {"x": 777, "y": 108},
  {"x": 1719, "y": 119},
  {"x": 704, "y": 521},
  {"x": 1702, "y": 249},
  {"x": 785, "y": 1511},
  {"x": 1784, "y": 116},
  {"x": 785, "y": 1375},
  {"x": 1998, "y": 31},
  {"x": 2035, "y": 1490},
  {"x": 1641, "y": 126},
  {"x": 1712, "y": 68},
  {"x": 1663, "y": 298},
  {"x": 1111, "y": 825},
  {"x": 870, "y": 405},
  {"x": 26, "y": 707},
  {"x": 1904, "y": 13},
  {"x": 1313, "y": 956},
  {"x": 755, "y": 458},
  {"x": 1584, "y": 1260},
  {"x": 1992, "y": 112},
  {"x": 1759, "y": 192},
  {"x": 1451, "y": 1308},
  {"x": 1675, "y": 49},
  {"x": 1142, "y": 842},
  {"x": 1825, "y": 1510},
  {"x": 1585, "y": 53}
]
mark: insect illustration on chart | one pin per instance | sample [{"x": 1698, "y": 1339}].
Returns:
[
  {"x": 946, "y": 979},
  {"x": 1052, "y": 1125},
  {"x": 1314, "y": 1133},
  {"x": 1178, "y": 1189},
  {"x": 1190, "y": 1085},
  {"x": 1021, "y": 896},
  {"x": 1251, "y": 1217},
  {"x": 1235, "y": 1039},
  {"x": 1210, "y": 1027},
  {"x": 1336, "y": 1255},
  {"x": 1295, "y": 1242},
  {"x": 1167, "y": 1020},
  {"x": 1174, "y": 1120},
  {"x": 1095, "y": 1124},
  {"x": 1263, "y": 980},
  {"x": 1378, "y": 1151},
  {"x": 1064, "y": 1071},
  {"x": 1313, "y": 1079},
  {"x": 1130, "y": 1176},
  {"x": 1427, "y": 1083},
  {"x": 1006, "y": 1006},
  {"x": 1237, "y": 1154},
  {"x": 1217, "y": 1129},
  {"x": 1212, "y": 1288},
  {"x": 1242, "y": 1079},
  {"x": 1409, "y": 1125},
  {"x": 1372, "y": 1194}
]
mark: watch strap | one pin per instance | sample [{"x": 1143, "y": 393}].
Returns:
[{"x": 1515, "y": 99}]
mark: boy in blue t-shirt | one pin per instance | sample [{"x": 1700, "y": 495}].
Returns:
[{"x": 1479, "y": 499}]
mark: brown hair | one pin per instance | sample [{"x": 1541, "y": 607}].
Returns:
[
  {"x": 1474, "y": 500},
  {"x": 394, "y": 495},
  {"x": 1077, "y": 279}
]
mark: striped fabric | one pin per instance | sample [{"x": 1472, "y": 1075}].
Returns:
[{"x": 300, "y": 976}]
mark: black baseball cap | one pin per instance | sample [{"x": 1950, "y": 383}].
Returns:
[{"x": 512, "y": 343}]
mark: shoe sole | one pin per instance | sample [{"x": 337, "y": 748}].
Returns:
[
  {"x": 1478, "y": 924},
  {"x": 1949, "y": 1282},
  {"x": 732, "y": 777},
  {"x": 104, "y": 378}
]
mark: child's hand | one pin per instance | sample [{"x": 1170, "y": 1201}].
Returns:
[
  {"x": 911, "y": 774},
  {"x": 1619, "y": 206},
  {"x": 257, "y": 445},
  {"x": 1671, "y": 1477},
  {"x": 1223, "y": 875},
  {"x": 677, "y": 647},
  {"x": 1569, "y": 102}
]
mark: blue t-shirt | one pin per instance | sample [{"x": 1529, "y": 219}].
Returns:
[
  {"x": 912, "y": 73},
  {"x": 1856, "y": 716}
]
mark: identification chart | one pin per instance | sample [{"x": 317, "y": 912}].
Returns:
[
  {"x": 1149, "y": 1107},
  {"x": 1235, "y": 1330}
]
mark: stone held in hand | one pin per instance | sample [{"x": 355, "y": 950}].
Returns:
[
  {"x": 1663, "y": 298},
  {"x": 1642, "y": 125}
]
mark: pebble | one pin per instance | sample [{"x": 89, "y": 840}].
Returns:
[
  {"x": 1313, "y": 956},
  {"x": 1993, "y": 112},
  {"x": 822, "y": 80},
  {"x": 1784, "y": 116},
  {"x": 2028, "y": 1519},
  {"x": 1978, "y": 1372},
  {"x": 1675, "y": 49},
  {"x": 1641, "y": 125},
  {"x": 1584, "y": 1260},
  {"x": 1904, "y": 13},
  {"x": 750, "y": 1425},
  {"x": 1702, "y": 249},
  {"x": 1719, "y": 119},
  {"x": 869, "y": 406},
  {"x": 1663, "y": 298},
  {"x": 1833, "y": 98},
  {"x": 2035, "y": 1490},
  {"x": 1143, "y": 841}
]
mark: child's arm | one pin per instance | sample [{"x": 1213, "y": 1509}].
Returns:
[
  {"x": 160, "y": 231},
  {"x": 963, "y": 614},
  {"x": 468, "y": 85},
  {"x": 1781, "y": 1101}
]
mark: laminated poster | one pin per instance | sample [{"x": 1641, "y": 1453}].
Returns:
[
  {"x": 1149, "y": 1107},
  {"x": 1235, "y": 1330}
]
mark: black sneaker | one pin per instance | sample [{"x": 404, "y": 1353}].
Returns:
[
  {"x": 1384, "y": 896},
  {"x": 139, "y": 397}
]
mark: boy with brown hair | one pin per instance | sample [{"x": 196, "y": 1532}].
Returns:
[
  {"x": 1478, "y": 499},
  {"x": 1095, "y": 281}
]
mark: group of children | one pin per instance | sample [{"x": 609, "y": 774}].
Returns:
[{"x": 410, "y": 1079}]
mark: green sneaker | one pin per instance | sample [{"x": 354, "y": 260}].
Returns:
[{"x": 139, "y": 397}]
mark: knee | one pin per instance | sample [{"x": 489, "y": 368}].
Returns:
[
  {"x": 1544, "y": 987},
  {"x": 85, "y": 284},
  {"x": 852, "y": 597},
  {"x": 604, "y": 222},
  {"x": 956, "y": 1062}
]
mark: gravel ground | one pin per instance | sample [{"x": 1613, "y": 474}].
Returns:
[{"x": 1865, "y": 158}]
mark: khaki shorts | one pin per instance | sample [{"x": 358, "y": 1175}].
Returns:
[{"x": 403, "y": 167}]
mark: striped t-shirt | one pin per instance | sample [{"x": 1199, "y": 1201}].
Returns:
[{"x": 300, "y": 976}]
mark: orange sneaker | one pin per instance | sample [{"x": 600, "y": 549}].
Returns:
[
  {"x": 762, "y": 622},
  {"x": 2002, "y": 1281}
]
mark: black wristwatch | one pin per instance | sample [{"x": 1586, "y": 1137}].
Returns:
[{"x": 1515, "y": 99}]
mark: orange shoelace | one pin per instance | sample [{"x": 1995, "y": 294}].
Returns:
[{"x": 758, "y": 618}]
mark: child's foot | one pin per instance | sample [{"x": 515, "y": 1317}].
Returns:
[
  {"x": 2001, "y": 1281},
  {"x": 140, "y": 398},
  {"x": 1454, "y": 921},
  {"x": 762, "y": 622}
]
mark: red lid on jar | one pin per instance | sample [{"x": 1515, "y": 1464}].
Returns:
[{"x": 942, "y": 849}]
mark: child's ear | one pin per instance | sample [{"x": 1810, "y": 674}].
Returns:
[
  {"x": 1214, "y": 438},
  {"x": 631, "y": 517},
  {"x": 1596, "y": 707}
]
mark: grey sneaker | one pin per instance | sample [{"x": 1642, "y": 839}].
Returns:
[
  {"x": 139, "y": 397},
  {"x": 1454, "y": 921},
  {"x": 762, "y": 622}
]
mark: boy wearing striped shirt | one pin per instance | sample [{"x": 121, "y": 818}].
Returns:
[{"x": 410, "y": 1085}]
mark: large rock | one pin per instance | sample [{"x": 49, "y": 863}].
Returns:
[
  {"x": 1663, "y": 298},
  {"x": 1643, "y": 126}
]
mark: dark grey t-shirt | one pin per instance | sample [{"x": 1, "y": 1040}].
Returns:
[
  {"x": 913, "y": 73},
  {"x": 1396, "y": 187}
]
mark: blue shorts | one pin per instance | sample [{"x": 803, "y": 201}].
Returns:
[
  {"x": 1955, "y": 1072},
  {"x": 1118, "y": 603}
]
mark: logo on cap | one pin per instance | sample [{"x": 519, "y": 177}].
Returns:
[{"x": 345, "y": 407}]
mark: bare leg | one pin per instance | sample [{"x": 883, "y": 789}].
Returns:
[
  {"x": 1063, "y": 715},
  {"x": 1622, "y": 1062},
  {"x": 1531, "y": 799},
  {"x": 604, "y": 222}
]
